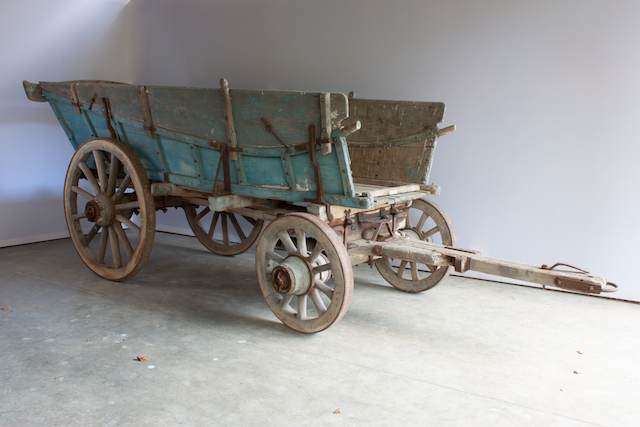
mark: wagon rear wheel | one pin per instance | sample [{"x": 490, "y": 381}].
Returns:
[
  {"x": 105, "y": 186},
  {"x": 431, "y": 224},
  {"x": 209, "y": 226},
  {"x": 293, "y": 259}
]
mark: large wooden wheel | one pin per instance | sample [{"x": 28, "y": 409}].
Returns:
[
  {"x": 433, "y": 225},
  {"x": 293, "y": 272},
  {"x": 204, "y": 224},
  {"x": 105, "y": 186}
]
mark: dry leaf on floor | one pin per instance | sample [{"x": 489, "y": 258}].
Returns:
[
  {"x": 5, "y": 308},
  {"x": 576, "y": 372},
  {"x": 141, "y": 359},
  {"x": 337, "y": 411},
  {"x": 579, "y": 351}
]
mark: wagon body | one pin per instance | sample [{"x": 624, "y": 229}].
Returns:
[{"x": 179, "y": 135}]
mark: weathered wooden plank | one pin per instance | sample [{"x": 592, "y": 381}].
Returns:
[
  {"x": 400, "y": 249},
  {"x": 398, "y": 198},
  {"x": 288, "y": 113},
  {"x": 391, "y": 120},
  {"x": 231, "y": 201},
  {"x": 198, "y": 112},
  {"x": 33, "y": 91},
  {"x": 124, "y": 99},
  {"x": 375, "y": 191},
  {"x": 406, "y": 163},
  {"x": 430, "y": 189}
]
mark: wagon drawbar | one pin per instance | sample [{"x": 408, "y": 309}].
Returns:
[{"x": 340, "y": 180}]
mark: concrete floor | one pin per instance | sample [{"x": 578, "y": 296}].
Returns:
[{"x": 467, "y": 352}]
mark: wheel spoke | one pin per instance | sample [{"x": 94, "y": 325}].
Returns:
[
  {"x": 430, "y": 233},
  {"x": 302, "y": 307},
  {"x": 237, "y": 227},
  {"x": 102, "y": 174},
  {"x": 123, "y": 187},
  {"x": 324, "y": 288},
  {"x": 81, "y": 192},
  {"x": 317, "y": 301},
  {"x": 274, "y": 256},
  {"x": 403, "y": 265},
  {"x": 420, "y": 223},
  {"x": 113, "y": 174},
  {"x": 225, "y": 229},
  {"x": 284, "y": 305},
  {"x": 287, "y": 242},
  {"x": 214, "y": 222},
  {"x": 89, "y": 237},
  {"x": 126, "y": 221},
  {"x": 414, "y": 271},
  {"x": 78, "y": 216},
  {"x": 321, "y": 268},
  {"x": 316, "y": 253},
  {"x": 301, "y": 239},
  {"x": 104, "y": 238},
  {"x": 252, "y": 221},
  {"x": 122, "y": 236},
  {"x": 129, "y": 205},
  {"x": 89, "y": 175},
  {"x": 115, "y": 247},
  {"x": 202, "y": 214}
]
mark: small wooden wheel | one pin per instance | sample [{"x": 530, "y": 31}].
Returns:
[
  {"x": 289, "y": 271},
  {"x": 105, "y": 185},
  {"x": 434, "y": 226},
  {"x": 205, "y": 233}
]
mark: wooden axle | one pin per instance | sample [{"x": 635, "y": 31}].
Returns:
[{"x": 405, "y": 248}]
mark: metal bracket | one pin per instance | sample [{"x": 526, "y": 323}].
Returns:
[
  {"x": 75, "y": 101},
  {"x": 107, "y": 117},
  {"x": 325, "y": 118},
  {"x": 224, "y": 161},
  {"x": 270, "y": 129},
  {"x": 316, "y": 168},
  {"x": 146, "y": 110},
  {"x": 577, "y": 285},
  {"x": 228, "y": 118}
]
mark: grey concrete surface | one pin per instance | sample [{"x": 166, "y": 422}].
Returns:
[{"x": 467, "y": 353}]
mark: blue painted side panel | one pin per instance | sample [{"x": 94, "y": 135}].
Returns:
[
  {"x": 289, "y": 113},
  {"x": 183, "y": 153},
  {"x": 144, "y": 148},
  {"x": 264, "y": 171}
]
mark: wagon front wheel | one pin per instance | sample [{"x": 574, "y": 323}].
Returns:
[
  {"x": 106, "y": 186},
  {"x": 304, "y": 272},
  {"x": 428, "y": 222},
  {"x": 209, "y": 226}
]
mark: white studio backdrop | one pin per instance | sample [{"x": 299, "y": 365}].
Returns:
[{"x": 544, "y": 94}]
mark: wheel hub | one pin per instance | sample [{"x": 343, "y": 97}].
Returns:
[
  {"x": 100, "y": 210},
  {"x": 293, "y": 276}
]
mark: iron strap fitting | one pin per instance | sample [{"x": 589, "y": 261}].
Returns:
[{"x": 545, "y": 267}]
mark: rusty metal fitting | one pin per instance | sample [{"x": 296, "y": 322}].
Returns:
[
  {"x": 92, "y": 211},
  {"x": 283, "y": 279}
]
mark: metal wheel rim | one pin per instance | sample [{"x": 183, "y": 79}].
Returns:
[
  {"x": 288, "y": 308},
  {"x": 227, "y": 221},
  {"x": 113, "y": 238},
  {"x": 438, "y": 274}
]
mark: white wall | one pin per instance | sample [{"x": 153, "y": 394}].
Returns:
[
  {"x": 44, "y": 40},
  {"x": 544, "y": 94}
]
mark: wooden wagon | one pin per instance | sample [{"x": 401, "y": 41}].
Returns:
[{"x": 341, "y": 181}]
